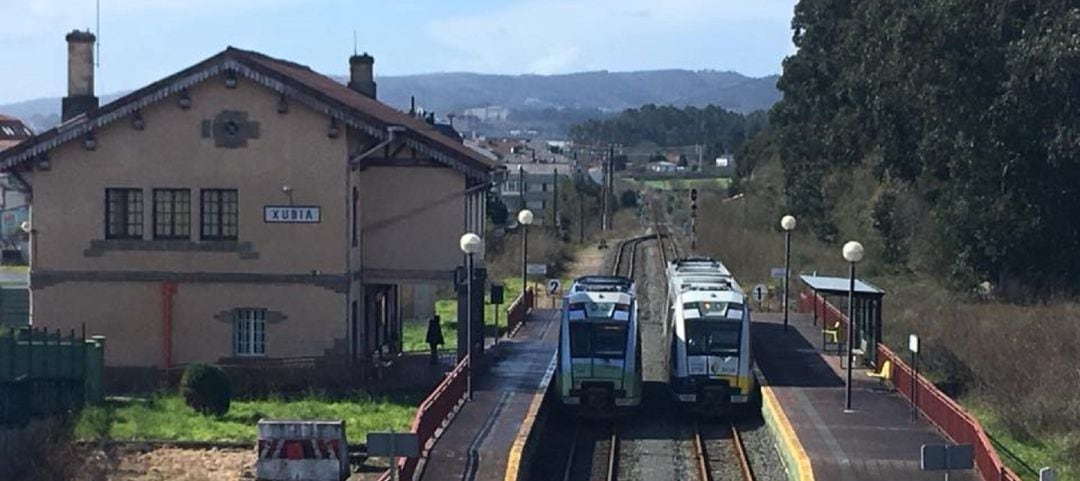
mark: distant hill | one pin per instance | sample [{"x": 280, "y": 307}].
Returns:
[
  {"x": 548, "y": 104},
  {"x": 605, "y": 91}
]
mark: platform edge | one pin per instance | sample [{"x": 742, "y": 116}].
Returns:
[
  {"x": 521, "y": 441},
  {"x": 791, "y": 449}
]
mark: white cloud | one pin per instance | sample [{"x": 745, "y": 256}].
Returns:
[
  {"x": 34, "y": 19},
  {"x": 551, "y": 36}
]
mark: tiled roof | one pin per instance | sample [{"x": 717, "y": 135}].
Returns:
[
  {"x": 12, "y": 132},
  {"x": 291, "y": 79}
]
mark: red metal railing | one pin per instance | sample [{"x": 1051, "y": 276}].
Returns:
[
  {"x": 935, "y": 405},
  {"x": 822, "y": 309},
  {"x": 948, "y": 416},
  {"x": 519, "y": 310},
  {"x": 433, "y": 415}
]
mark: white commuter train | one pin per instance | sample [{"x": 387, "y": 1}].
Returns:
[
  {"x": 599, "y": 369},
  {"x": 712, "y": 368}
]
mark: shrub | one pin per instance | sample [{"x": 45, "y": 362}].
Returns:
[{"x": 205, "y": 389}]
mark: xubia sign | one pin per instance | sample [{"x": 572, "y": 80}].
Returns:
[{"x": 295, "y": 214}]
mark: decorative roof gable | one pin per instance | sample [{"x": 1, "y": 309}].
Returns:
[{"x": 297, "y": 82}]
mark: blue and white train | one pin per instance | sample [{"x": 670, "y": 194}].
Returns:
[
  {"x": 599, "y": 367},
  {"x": 712, "y": 368}
]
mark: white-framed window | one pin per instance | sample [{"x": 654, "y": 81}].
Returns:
[{"x": 250, "y": 332}]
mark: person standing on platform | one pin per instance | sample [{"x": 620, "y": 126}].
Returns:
[{"x": 434, "y": 337}]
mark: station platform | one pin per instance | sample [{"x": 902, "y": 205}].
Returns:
[
  {"x": 507, "y": 393},
  {"x": 878, "y": 441}
]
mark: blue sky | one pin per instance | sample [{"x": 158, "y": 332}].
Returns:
[{"x": 144, "y": 40}]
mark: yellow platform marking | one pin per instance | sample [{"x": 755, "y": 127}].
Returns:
[
  {"x": 802, "y": 469},
  {"x": 513, "y": 461}
]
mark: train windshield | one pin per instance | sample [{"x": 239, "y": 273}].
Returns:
[
  {"x": 604, "y": 340},
  {"x": 712, "y": 338},
  {"x": 599, "y": 311},
  {"x": 713, "y": 310}
]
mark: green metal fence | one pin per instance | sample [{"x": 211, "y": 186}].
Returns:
[{"x": 47, "y": 372}]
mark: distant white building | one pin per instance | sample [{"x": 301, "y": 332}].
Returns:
[
  {"x": 491, "y": 112},
  {"x": 724, "y": 161},
  {"x": 664, "y": 166}
]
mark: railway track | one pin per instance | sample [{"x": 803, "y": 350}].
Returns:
[
  {"x": 626, "y": 254},
  {"x": 721, "y": 454},
  {"x": 592, "y": 457}
]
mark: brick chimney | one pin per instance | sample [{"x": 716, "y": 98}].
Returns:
[
  {"x": 362, "y": 74},
  {"x": 80, "y": 98}
]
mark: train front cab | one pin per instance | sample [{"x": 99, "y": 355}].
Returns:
[
  {"x": 712, "y": 372},
  {"x": 599, "y": 356}
]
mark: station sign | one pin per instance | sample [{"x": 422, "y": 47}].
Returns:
[
  {"x": 393, "y": 445},
  {"x": 292, "y": 214},
  {"x": 947, "y": 457},
  {"x": 536, "y": 269}
]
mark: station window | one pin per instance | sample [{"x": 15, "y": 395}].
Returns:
[
  {"x": 219, "y": 214},
  {"x": 172, "y": 214},
  {"x": 123, "y": 214},
  {"x": 250, "y": 332}
]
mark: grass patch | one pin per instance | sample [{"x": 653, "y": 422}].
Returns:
[
  {"x": 1027, "y": 456},
  {"x": 415, "y": 330},
  {"x": 168, "y": 418},
  {"x": 684, "y": 184}
]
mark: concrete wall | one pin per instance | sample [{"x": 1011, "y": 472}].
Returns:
[
  {"x": 412, "y": 217},
  {"x": 309, "y": 319},
  {"x": 292, "y": 149},
  {"x": 113, "y": 295}
]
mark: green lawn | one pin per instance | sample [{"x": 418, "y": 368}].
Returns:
[
  {"x": 168, "y": 418},
  {"x": 415, "y": 331},
  {"x": 682, "y": 184}
]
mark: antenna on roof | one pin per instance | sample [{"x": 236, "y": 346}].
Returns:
[
  {"x": 97, "y": 45},
  {"x": 355, "y": 47}
]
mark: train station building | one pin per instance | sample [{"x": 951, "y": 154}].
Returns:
[{"x": 245, "y": 207}]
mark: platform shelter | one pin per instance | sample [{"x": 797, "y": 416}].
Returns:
[{"x": 868, "y": 302}]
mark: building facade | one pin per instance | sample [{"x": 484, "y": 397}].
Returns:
[
  {"x": 13, "y": 202},
  {"x": 244, "y": 208}
]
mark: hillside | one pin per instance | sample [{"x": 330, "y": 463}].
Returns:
[{"x": 545, "y": 103}]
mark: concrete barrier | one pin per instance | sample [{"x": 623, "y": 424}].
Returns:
[{"x": 302, "y": 451}]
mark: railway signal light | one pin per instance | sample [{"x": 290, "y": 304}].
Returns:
[{"x": 693, "y": 195}]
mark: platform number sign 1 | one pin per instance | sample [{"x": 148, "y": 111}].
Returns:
[{"x": 759, "y": 293}]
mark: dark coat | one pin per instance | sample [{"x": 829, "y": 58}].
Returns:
[{"x": 434, "y": 332}]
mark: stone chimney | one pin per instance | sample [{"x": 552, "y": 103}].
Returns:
[
  {"x": 80, "y": 98},
  {"x": 362, "y": 74}
]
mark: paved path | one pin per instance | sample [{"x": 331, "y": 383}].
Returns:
[
  {"x": 879, "y": 441},
  {"x": 478, "y": 441}
]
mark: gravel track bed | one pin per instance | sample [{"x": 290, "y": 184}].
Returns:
[
  {"x": 761, "y": 449},
  {"x": 657, "y": 442},
  {"x": 720, "y": 451}
]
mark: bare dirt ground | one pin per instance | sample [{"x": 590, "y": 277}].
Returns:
[
  {"x": 143, "y": 463},
  {"x": 135, "y": 462}
]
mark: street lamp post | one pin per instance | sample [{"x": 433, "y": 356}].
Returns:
[
  {"x": 788, "y": 224},
  {"x": 853, "y": 253},
  {"x": 470, "y": 244},
  {"x": 525, "y": 217}
]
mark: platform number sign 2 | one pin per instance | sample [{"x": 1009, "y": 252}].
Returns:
[{"x": 553, "y": 286}]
